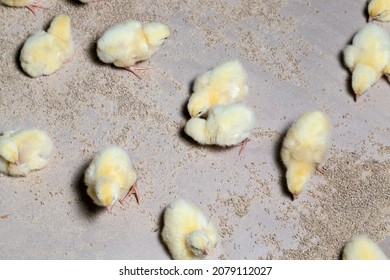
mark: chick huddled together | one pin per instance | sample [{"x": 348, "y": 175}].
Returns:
[
  {"x": 45, "y": 52},
  {"x": 24, "y": 150},
  {"x": 29, "y": 4},
  {"x": 111, "y": 177},
  {"x": 127, "y": 43},
  {"x": 187, "y": 232},
  {"x": 362, "y": 248},
  {"x": 217, "y": 94},
  {"x": 368, "y": 57},
  {"x": 218, "y": 117},
  {"x": 304, "y": 148}
]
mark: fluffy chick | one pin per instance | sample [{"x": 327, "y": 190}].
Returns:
[
  {"x": 110, "y": 177},
  {"x": 187, "y": 232},
  {"x": 367, "y": 57},
  {"x": 379, "y": 10},
  {"x": 29, "y": 4},
  {"x": 225, "y": 84},
  {"x": 304, "y": 148},
  {"x": 362, "y": 248},
  {"x": 226, "y": 125},
  {"x": 127, "y": 43},
  {"x": 24, "y": 150},
  {"x": 45, "y": 52}
]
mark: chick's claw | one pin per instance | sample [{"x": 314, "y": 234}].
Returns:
[
  {"x": 34, "y": 6},
  {"x": 133, "y": 190},
  {"x": 134, "y": 69},
  {"x": 243, "y": 145}
]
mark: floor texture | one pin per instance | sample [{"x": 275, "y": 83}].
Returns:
[{"x": 291, "y": 50}]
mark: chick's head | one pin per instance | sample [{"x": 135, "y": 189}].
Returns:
[
  {"x": 297, "y": 176},
  {"x": 9, "y": 149},
  {"x": 107, "y": 192},
  {"x": 377, "y": 10},
  {"x": 196, "y": 129},
  {"x": 156, "y": 33},
  {"x": 198, "y": 105},
  {"x": 198, "y": 243},
  {"x": 363, "y": 77}
]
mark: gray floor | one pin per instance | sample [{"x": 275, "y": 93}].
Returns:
[{"x": 292, "y": 52}]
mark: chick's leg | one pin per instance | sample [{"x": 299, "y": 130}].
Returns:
[
  {"x": 33, "y": 6},
  {"x": 133, "y": 190},
  {"x": 243, "y": 145},
  {"x": 134, "y": 69}
]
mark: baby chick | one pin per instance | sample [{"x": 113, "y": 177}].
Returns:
[
  {"x": 379, "y": 10},
  {"x": 45, "y": 52},
  {"x": 127, "y": 43},
  {"x": 367, "y": 57},
  {"x": 304, "y": 148},
  {"x": 29, "y": 4},
  {"x": 187, "y": 232},
  {"x": 225, "y": 84},
  {"x": 110, "y": 177},
  {"x": 24, "y": 150},
  {"x": 226, "y": 125},
  {"x": 362, "y": 248}
]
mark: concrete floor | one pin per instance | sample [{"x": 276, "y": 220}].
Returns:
[{"x": 291, "y": 50}]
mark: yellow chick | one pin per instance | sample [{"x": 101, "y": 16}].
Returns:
[
  {"x": 379, "y": 10},
  {"x": 367, "y": 57},
  {"x": 29, "y": 4},
  {"x": 45, "y": 52},
  {"x": 226, "y": 125},
  {"x": 24, "y": 150},
  {"x": 127, "y": 43},
  {"x": 304, "y": 148},
  {"x": 362, "y": 248},
  {"x": 187, "y": 232},
  {"x": 225, "y": 84},
  {"x": 111, "y": 177}
]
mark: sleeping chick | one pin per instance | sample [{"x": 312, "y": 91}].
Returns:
[
  {"x": 29, "y": 4},
  {"x": 304, "y": 148},
  {"x": 127, "y": 43},
  {"x": 367, "y": 57},
  {"x": 379, "y": 10},
  {"x": 362, "y": 248},
  {"x": 24, "y": 150},
  {"x": 45, "y": 52},
  {"x": 187, "y": 232},
  {"x": 226, "y": 125},
  {"x": 110, "y": 177},
  {"x": 225, "y": 84}
]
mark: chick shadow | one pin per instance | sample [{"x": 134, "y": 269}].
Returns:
[
  {"x": 280, "y": 165},
  {"x": 87, "y": 206},
  {"x": 92, "y": 54},
  {"x": 348, "y": 81},
  {"x": 75, "y": 3},
  {"x": 340, "y": 256},
  {"x": 17, "y": 59}
]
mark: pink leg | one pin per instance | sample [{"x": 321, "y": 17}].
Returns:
[
  {"x": 243, "y": 145},
  {"x": 133, "y": 70},
  {"x": 320, "y": 168},
  {"x": 133, "y": 190},
  {"x": 34, "y": 5}
]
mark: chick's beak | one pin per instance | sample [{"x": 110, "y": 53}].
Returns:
[{"x": 206, "y": 252}]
